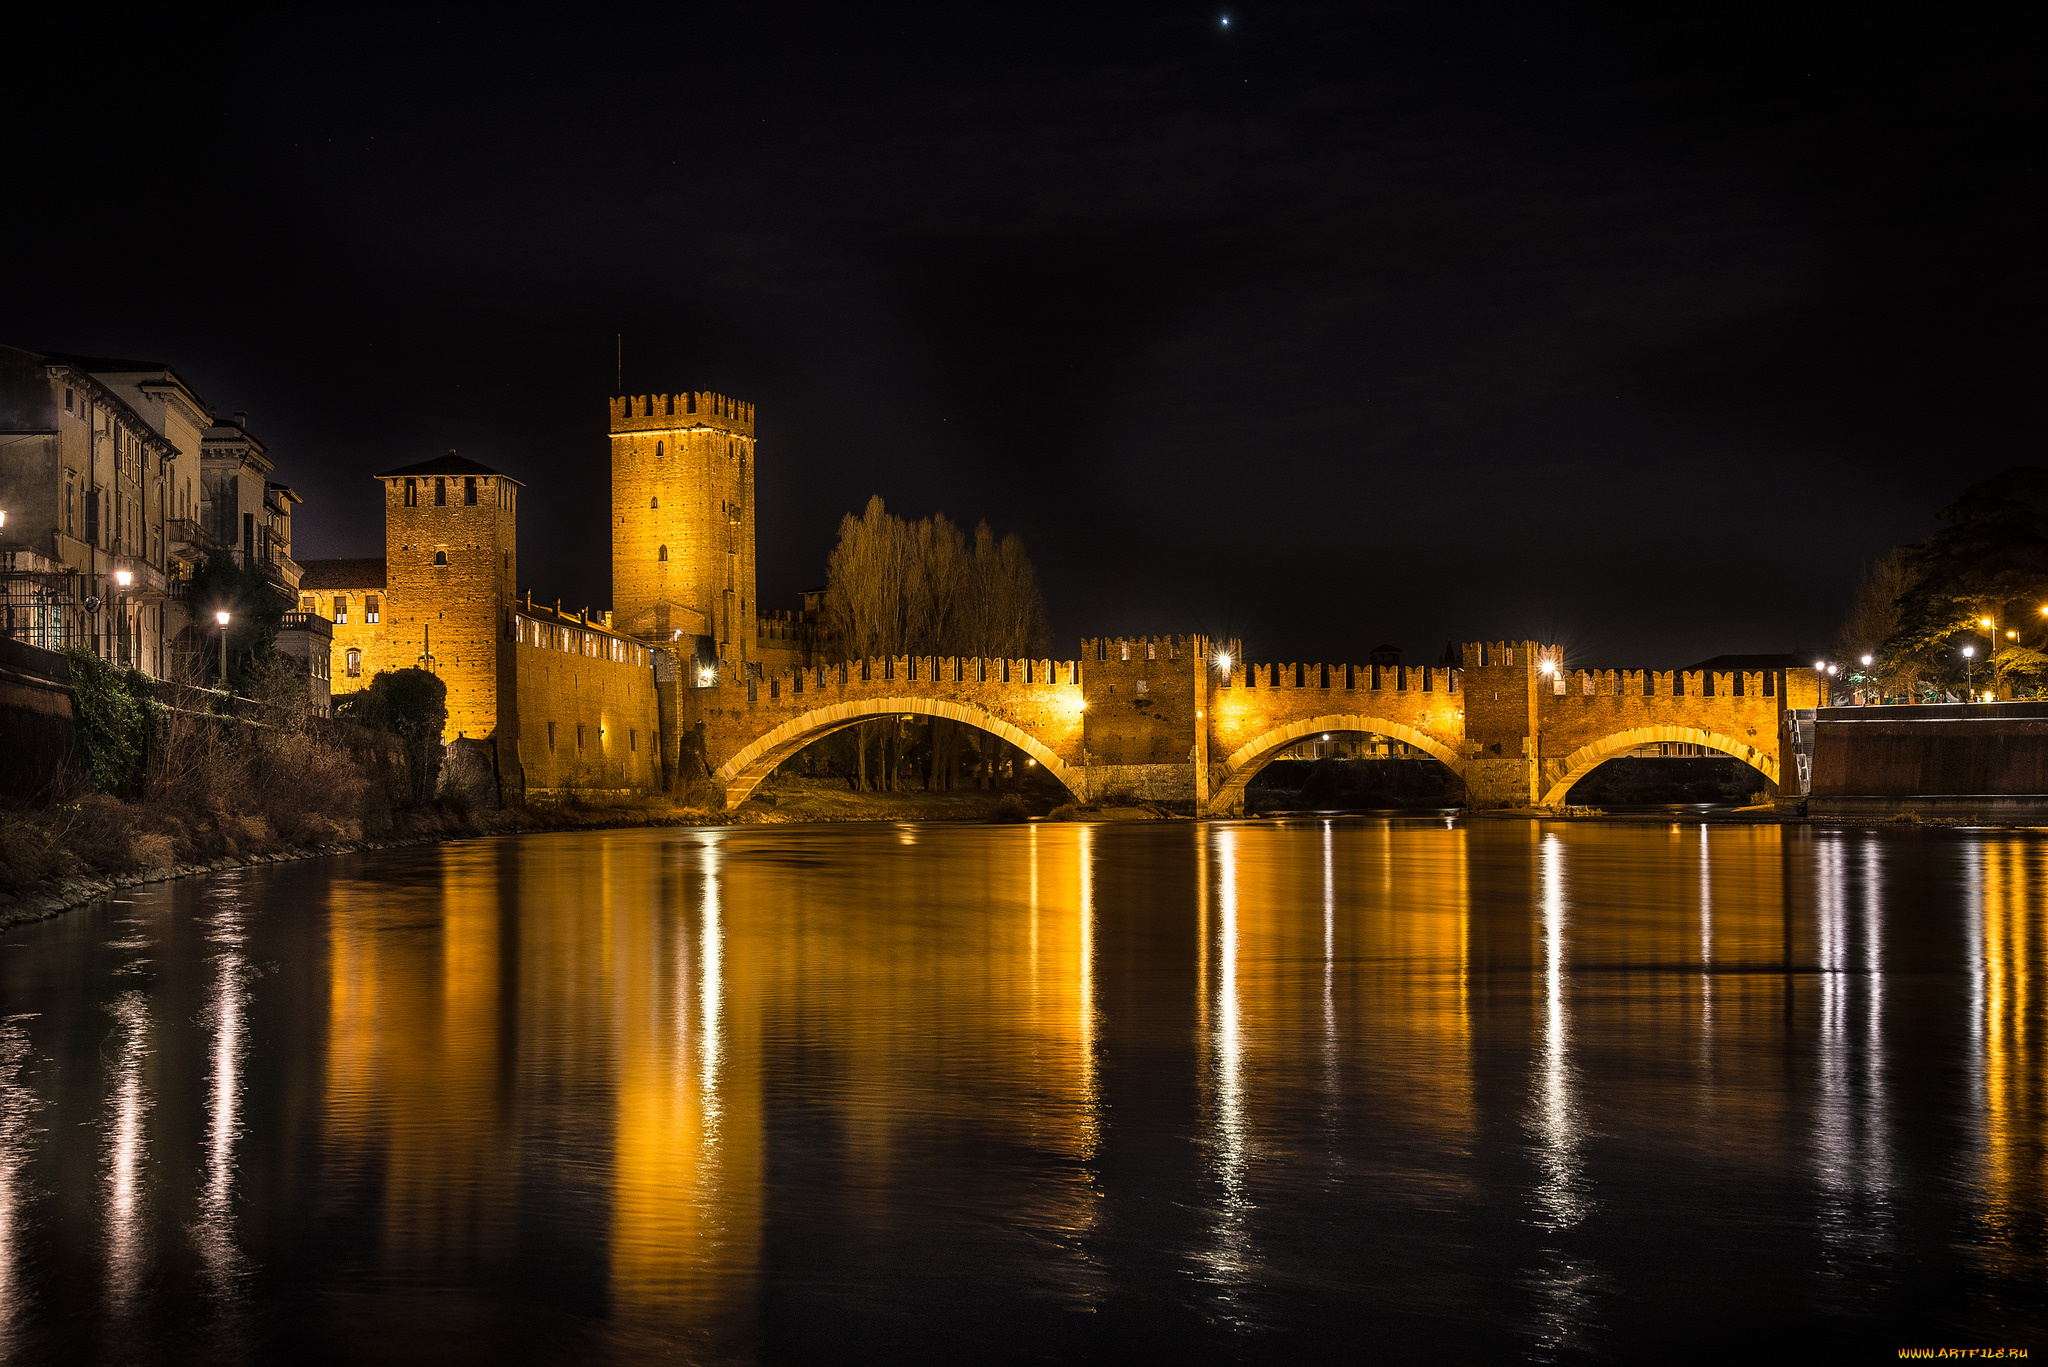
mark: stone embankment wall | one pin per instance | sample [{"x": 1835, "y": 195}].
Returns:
[
  {"x": 36, "y": 732},
  {"x": 1871, "y": 757},
  {"x": 584, "y": 720}
]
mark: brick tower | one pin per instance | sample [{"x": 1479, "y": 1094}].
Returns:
[
  {"x": 683, "y": 522},
  {"x": 451, "y": 558}
]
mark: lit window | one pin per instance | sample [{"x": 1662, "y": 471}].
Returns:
[
  {"x": 353, "y": 664},
  {"x": 341, "y": 608},
  {"x": 370, "y": 607}
]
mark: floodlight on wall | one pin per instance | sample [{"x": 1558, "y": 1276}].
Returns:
[{"x": 1223, "y": 661}]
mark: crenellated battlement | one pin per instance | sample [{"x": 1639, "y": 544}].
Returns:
[
  {"x": 887, "y": 674},
  {"x": 670, "y": 412},
  {"x": 1588, "y": 685},
  {"x": 1136, "y": 650},
  {"x": 1341, "y": 677}
]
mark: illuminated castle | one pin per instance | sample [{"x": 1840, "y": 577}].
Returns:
[{"x": 568, "y": 701}]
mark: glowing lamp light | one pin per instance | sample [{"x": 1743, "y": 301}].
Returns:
[
  {"x": 1547, "y": 667},
  {"x": 221, "y": 617},
  {"x": 1968, "y": 651},
  {"x": 1866, "y": 661},
  {"x": 1820, "y": 664},
  {"x": 124, "y": 578},
  {"x": 1223, "y": 661},
  {"x": 1831, "y": 671},
  {"x": 1983, "y": 621}
]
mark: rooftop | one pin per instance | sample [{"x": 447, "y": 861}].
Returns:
[{"x": 450, "y": 464}]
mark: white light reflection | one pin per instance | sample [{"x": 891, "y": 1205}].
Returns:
[
  {"x": 1330, "y": 959},
  {"x": 226, "y": 1018},
  {"x": 1851, "y": 1150},
  {"x": 710, "y": 991},
  {"x": 18, "y": 1106},
  {"x": 1563, "y": 1284},
  {"x": 1706, "y": 953},
  {"x": 1090, "y": 1098},
  {"x": 127, "y": 1144},
  {"x": 1560, "y": 1197},
  {"x": 1229, "y": 1259}
]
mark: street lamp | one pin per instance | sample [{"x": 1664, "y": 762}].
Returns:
[
  {"x": 222, "y": 618},
  {"x": 124, "y": 578},
  {"x": 1968, "y": 652}
]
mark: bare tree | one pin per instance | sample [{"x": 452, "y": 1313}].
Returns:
[{"x": 921, "y": 588}]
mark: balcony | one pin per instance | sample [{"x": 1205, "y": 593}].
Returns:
[{"x": 189, "y": 540}]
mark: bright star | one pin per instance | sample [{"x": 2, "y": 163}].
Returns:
[{"x": 1226, "y": 21}]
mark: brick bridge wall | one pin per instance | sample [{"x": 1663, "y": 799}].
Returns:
[
  {"x": 1161, "y": 717},
  {"x": 749, "y": 726}
]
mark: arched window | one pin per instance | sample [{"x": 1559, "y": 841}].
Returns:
[
  {"x": 662, "y": 555},
  {"x": 654, "y": 502},
  {"x": 440, "y": 557},
  {"x": 657, "y": 450},
  {"x": 353, "y": 663}
]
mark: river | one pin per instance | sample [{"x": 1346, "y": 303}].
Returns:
[{"x": 1255, "y": 1091}]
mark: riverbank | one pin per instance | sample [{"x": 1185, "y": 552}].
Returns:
[{"x": 421, "y": 826}]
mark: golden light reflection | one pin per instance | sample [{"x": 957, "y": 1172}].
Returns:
[
  {"x": 412, "y": 1094},
  {"x": 2011, "y": 895},
  {"x": 687, "y": 1161}
]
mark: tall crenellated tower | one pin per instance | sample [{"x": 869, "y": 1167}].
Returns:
[
  {"x": 451, "y": 559},
  {"x": 683, "y": 521}
]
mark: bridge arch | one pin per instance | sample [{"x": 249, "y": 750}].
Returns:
[
  {"x": 1587, "y": 758},
  {"x": 1246, "y": 761},
  {"x": 741, "y": 774}
]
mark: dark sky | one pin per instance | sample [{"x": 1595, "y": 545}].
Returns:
[{"x": 1637, "y": 327}]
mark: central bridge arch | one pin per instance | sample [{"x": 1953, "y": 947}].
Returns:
[
  {"x": 1246, "y": 761},
  {"x": 743, "y": 773},
  {"x": 1587, "y": 758}
]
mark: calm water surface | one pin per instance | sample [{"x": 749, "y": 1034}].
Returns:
[{"x": 1256, "y": 1091}]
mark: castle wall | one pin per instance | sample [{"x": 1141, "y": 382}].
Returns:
[
  {"x": 683, "y": 519},
  {"x": 584, "y": 720}
]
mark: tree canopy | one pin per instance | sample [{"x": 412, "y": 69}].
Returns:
[{"x": 1988, "y": 563}]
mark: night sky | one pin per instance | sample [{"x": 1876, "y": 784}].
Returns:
[{"x": 1640, "y": 328}]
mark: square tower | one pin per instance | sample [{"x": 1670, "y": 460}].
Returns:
[
  {"x": 451, "y": 557},
  {"x": 683, "y": 521}
]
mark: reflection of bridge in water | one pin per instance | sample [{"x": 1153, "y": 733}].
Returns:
[{"x": 1171, "y": 718}]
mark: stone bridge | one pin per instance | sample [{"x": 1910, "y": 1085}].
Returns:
[{"x": 1177, "y": 719}]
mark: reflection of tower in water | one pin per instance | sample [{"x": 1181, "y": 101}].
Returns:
[{"x": 687, "y": 1163}]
